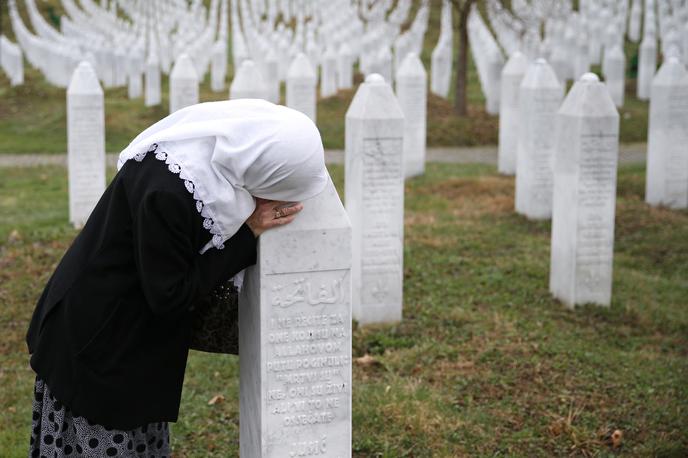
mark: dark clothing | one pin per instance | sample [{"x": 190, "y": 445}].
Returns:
[
  {"x": 55, "y": 432},
  {"x": 110, "y": 332}
]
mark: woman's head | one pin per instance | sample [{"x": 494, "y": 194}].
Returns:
[
  {"x": 233, "y": 151},
  {"x": 275, "y": 153}
]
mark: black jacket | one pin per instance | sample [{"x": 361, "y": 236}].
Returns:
[{"x": 110, "y": 332}]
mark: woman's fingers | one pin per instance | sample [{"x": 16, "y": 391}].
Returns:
[{"x": 270, "y": 213}]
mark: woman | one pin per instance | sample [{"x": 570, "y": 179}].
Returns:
[{"x": 109, "y": 336}]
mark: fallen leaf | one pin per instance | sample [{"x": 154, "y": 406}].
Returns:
[
  {"x": 367, "y": 360},
  {"x": 14, "y": 236},
  {"x": 617, "y": 437},
  {"x": 217, "y": 399}
]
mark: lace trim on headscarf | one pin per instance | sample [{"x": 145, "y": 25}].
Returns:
[{"x": 174, "y": 167}]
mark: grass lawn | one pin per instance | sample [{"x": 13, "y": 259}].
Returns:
[
  {"x": 33, "y": 116},
  {"x": 485, "y": 362}
]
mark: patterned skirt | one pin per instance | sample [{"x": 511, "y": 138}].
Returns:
[{"x": 55, "y": 432}]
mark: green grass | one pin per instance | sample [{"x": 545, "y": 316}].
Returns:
[
  {"x": 33, "y": 116},
  {"x": 484, "y": 363}
]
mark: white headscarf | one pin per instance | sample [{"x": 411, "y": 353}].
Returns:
[{"x": 227, "y": 152}]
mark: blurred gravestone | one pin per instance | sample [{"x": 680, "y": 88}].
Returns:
[
  {"x": 183, "y": 84},
  {"x": 412, "y": 95},
  {"x": 584, "y": 195},
  {"x": 667, "y": 148},
  {"x": 85, "y": 143}
]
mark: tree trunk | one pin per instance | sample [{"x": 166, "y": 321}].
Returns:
[{"x": 461, "y": 98}]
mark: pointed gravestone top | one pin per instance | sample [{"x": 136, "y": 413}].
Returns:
[
  {"x": 540, "y": 75},
  {"x": 411, "y": 66},
  {"x": 590, "y": 98},
  {"x": 301, "y": 67},
  {"x": 516, "y": 65},
  {"x": 84, "y": 81},
  {"x": 183, "y": 68},
  {"x": 671, "y": 73},
  {"x": 248, "y": 77},
  {"x": 375, "y": 100}
]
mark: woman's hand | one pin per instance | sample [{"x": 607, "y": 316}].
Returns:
[{"x": 271, "y": 213}]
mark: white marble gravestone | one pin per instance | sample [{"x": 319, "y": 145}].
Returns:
[
  {"x": 667, "y": 147},
  {"x": 328, "y": 75},
  {"x": 412, "y": 93},
  {"x": 512, "y": 76},
  {"x": 295, "y": 337},
  {"x": 85, "y": 143},
  {"x": 218, "y": 66},
  {"x": 248, "y": 83},
  {"x": 135, "y": 78},
  {"x": 271, "y": 76},
  {"x": 539, "y": 99},
  {"x": 183, "y": 84},
  {"x": 374, "y": 187},
  {"x": 345, "y": 72},
  {"x": 441, "y": 69},
  {"x": 647, "y": 63},
  {"x": 152, "y": 93},
  {"x": 584, "y": 195},
  {"x": 495, "y": 64},
  {"x": 301, "y": 86},
  {"x": 615, "y": 73}
]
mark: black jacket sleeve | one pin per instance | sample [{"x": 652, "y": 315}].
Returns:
[{"x": 172, "y": 272}]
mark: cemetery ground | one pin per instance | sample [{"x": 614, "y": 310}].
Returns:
[{"x": 485, "y": 362}]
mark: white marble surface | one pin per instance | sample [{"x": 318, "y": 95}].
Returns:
[
  {"x": 540, "y": 97},
  {"x": 512, "y": 76},
  {"x": 441, "y": 69},
  {"x": 152, "y": 92},
  {"x": 412, "y": 94},
  {"x": 248, "y": 83},
  {"x": 301, "y": 86},
  {"x": 584, "y": 195},
  {"x": 183, "y": 84},
  {"x": 328, "y": 74},
  {"x": 374, "y": 187},
  {"x": 218, "y": 66},
  {"x": 667, "y": 153},
  {"x": 295, "y": 337},
  {"x": 615, "y": 73},
  {"x": 345, "y": 72},
  {"x": 85, "y": 143},
  {"x": 647, "y": 63}
]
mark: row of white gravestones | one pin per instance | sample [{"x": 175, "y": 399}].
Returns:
[
  {"x": 539, "y": 99},
  {"x": 85, "y": 143},
  {"x": 667, "y": 148},
  {"x": 374, "y": 190},
  {"x": 584, "y": 195},
  {"x": 183, "y": 84}
]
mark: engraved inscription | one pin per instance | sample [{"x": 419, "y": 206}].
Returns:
[
  {"x": 307, "y": 358},
  {"x": 86, "y": 156},
  {"x": 383, "y": 200},
  {"x": 597, "y": 184}
]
